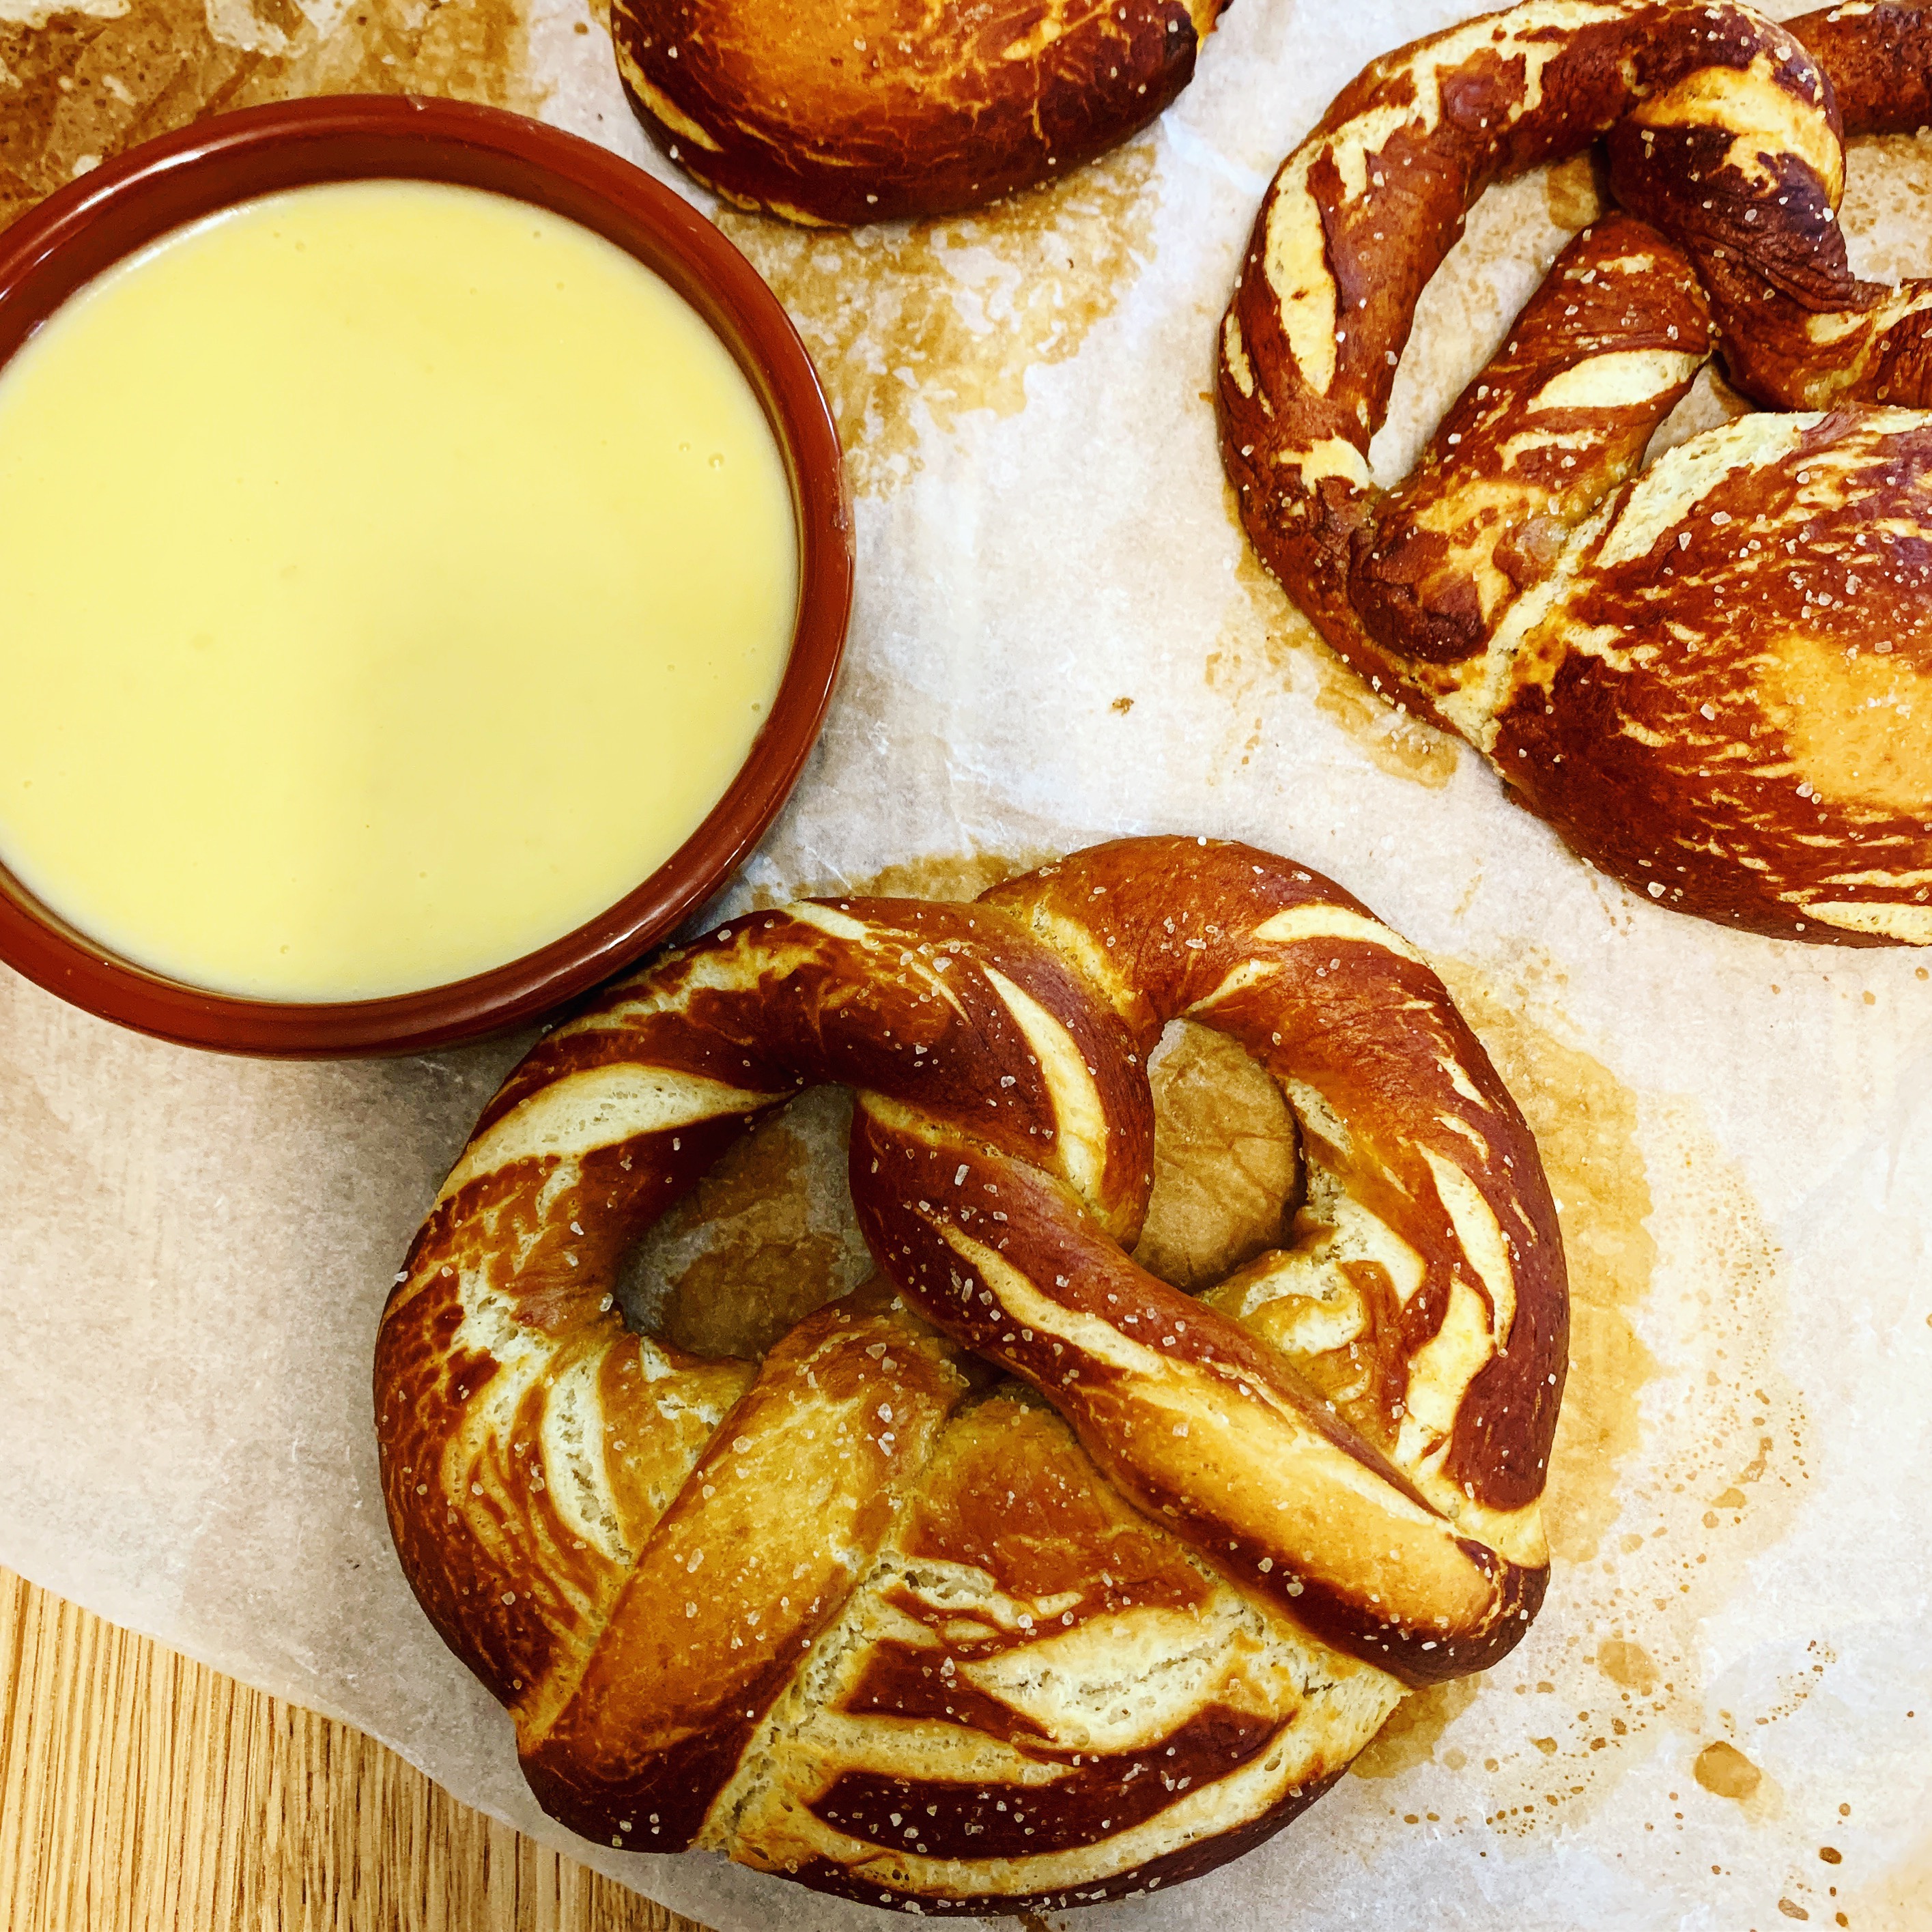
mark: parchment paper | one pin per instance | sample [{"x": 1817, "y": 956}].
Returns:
[{"x": 1722, "y": 1718}]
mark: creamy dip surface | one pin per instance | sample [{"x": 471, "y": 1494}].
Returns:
[{"x": 392, "y": 576}]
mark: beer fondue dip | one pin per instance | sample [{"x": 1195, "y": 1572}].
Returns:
[{"x": 392, "y": 576}]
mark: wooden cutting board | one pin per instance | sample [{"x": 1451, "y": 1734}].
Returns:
[{"x": 141, "y": 1793}]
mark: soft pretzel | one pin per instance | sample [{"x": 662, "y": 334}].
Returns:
[
  {"x": 882, "y": 110},
  {"x": 1715, "y": 679},
  {"x": 867, "y": 1614}
]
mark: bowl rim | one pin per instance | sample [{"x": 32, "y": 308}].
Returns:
[{"x": 136, "y": 196}]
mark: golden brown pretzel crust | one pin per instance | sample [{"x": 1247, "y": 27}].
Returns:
[
  {"x": 1879, "y": 61},
  {"x": 862, "y": 1612},
  {"x": 887, "y": 109},
  {"x": 1715, "y": 681}
]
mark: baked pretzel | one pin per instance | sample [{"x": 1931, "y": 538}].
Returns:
[
  {"x": 882, "y": 110},
  {"x": 865, "y": 1612},
  {"x": 1715, "y": 679}
]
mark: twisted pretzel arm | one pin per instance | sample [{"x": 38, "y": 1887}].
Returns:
[
  {"x": 842, "y": 1415},
  {"x": 1727, "y": 159},
  {"x": 1355, "y": 223},
  {"x": 1601, "y": 355},
  {"x": 1879, "y": 58},
  {"x": 1042, "y": 1692}
]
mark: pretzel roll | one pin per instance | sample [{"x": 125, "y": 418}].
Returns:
[
  {"x": 865, "y": 1614},
  {"x": 1723, "y": 135},
  {"x": 883, "y": 110}
]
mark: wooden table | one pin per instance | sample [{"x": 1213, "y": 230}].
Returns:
[{"x": 140, "y": 1792}]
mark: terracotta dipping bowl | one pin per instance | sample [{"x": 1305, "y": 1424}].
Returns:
[{"x": 131, "y": 201}]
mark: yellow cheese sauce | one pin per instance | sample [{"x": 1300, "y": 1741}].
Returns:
[{"x": 392, "y": 576}]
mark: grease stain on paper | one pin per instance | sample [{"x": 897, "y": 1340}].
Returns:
[
  {"x": 1899, "y": 1900},
  {"x": 1586, "y": 1127},
  {"x": 767, "y": 1237},
  {"x": 914, "y": 325},
  {"x": 1723, "y": 1769},
  {"x": 950, "y": 876},
  {"x": 1414, "y": 1727},
  {"x": 1572, "y": 193},
  {"x": 1666, "y": 1476},
  {"x": 80, "y": 83},
  {"x": 1513, "y": 235},
  {"x": 1266, "y": 643}
]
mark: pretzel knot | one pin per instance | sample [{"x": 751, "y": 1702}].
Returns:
[
  {"x": 1714, "y": 678},
  {"x": 1017, "y": 1573}
]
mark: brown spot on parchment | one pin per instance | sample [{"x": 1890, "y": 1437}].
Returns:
[
  {"x": 1648, "y": 1442},
  {"x": 1899, "y": 1900},
  {"x": 91, "y": 81},
  {"x": 925, "y": 321},
  {"x": 1629, "y": 1664},
  {"x": 1723, "y": 1769},
  {"x": 938, "y": 875},
  {"x": 1573, "y": 192},
  {"x": 948, "y": 875},
  {"x": 767, "y": 1237},
  {"x": 1225, "y": 1165},
  {"x": 1266, "y": 643},
  {"x": 1408, "y": 1738},
  {"x": 62, "y": 1159}
]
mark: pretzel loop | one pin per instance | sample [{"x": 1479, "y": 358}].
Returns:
[{"x": 767, "y": 1607}]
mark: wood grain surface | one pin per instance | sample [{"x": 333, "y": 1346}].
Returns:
[{"x": 142, "y": 1792}]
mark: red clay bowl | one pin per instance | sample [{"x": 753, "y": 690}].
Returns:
[{"x": 127, "y": 202}]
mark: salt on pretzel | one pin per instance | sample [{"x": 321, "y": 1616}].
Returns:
[
  {"x": 865, "y": 1612},
  {"x": 1713, "y": 679},
  {"x": 878, "y": 110}
]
